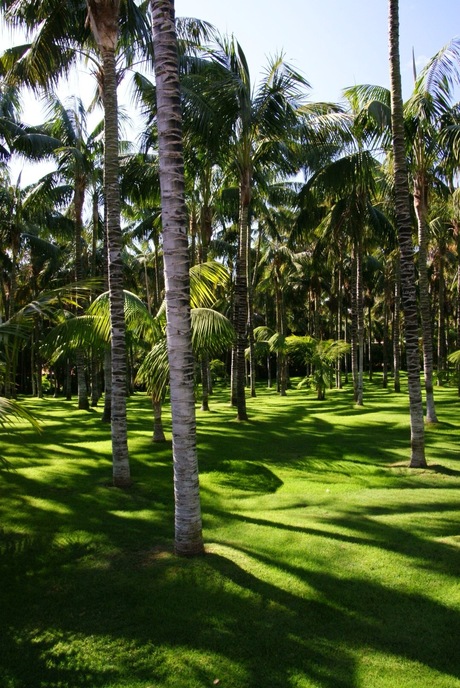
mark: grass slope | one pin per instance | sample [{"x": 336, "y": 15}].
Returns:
[{"x": 329, "y": 563}]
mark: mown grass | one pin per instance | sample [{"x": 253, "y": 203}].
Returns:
[{"x": 329, "y": 563}]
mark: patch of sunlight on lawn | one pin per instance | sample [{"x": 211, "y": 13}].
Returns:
[
  {"x": 406, "y": 673},
  {"x": 47, "y": 505},
  {"x": 141, "y": 515}
]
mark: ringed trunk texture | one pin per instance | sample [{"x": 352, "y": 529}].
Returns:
[
  {"x": 404, "y": 226},
  {"x": 188, "y": 527},
  {"x": 103, "y": 17}
]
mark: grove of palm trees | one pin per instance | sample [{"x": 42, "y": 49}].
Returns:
[{"x": 229, "y": 362}]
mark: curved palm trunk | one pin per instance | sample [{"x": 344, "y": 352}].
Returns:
[
  {"x": 188, "y": 528},
  {"x": 103, "y": 17},
  {"x": 420, "y": 206},
  {"x": 403, "y": 220}
]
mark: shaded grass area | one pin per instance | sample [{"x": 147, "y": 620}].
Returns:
[{"x": 329, "y": 563}]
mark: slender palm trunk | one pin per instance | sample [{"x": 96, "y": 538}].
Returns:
[
  {"x": 188, "y": 528},
  {"x": 420, "y": 206},
  {"x": 281, "y": 368},
  {"x": 360, "y": 322},
  {"x": 404, "y": 225},
  {"x": 241, "y": 299},
  {"x": 339, "y": 330},
  {"x": 103, "y": 18},
  {"x": 354, "y": 330},
  {"x": 121, "y": 469},
  {"x": 158, "y": 432},
  {"x": 442, "y": 344},
  {"x": 397, "y": 329},
  {"x": 79, "y": 197}
]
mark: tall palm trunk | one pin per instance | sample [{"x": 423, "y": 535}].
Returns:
[
  {"x": 241, "y": 298},
  {"x": 339, "y": 328},
  {"x": 442, "y": 343},
  {"x": 404, "y": 226},
  {"x": 79, "y": 197},
  {"x": 360, "y": 322},
  {"x": 397, "y": 327},
  {"x": 103, "y": 16},
  {"x": 354, "y": 329},
  {"x": 420, "y": 206},
  {"x": 188, "y": 529}
]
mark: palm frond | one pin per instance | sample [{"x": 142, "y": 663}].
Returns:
[
  {"x": 11, "y": 410},
  {"x": 212, "y": 332}
]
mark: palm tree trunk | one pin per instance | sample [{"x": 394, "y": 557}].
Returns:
[
  {"x": 354, "y": 330},
  {"x": 103, "y": 17},
  {"x": 158, "y": 432},
  {"x": 107, "y": 413},
  {"x": 188, "y": 528},
  {"x": 339, "y": 330},
  {"x": 420, "y": 206},
  {"x": 205, "y": 383},
  {"x": 241, "y": 299},
  {"x": 404, "y": 226},
  {"x": 397, "y": 330},
  {"x": 360, "y": 323},
  {"x": 79, "y": 197},
  {"x": 442, "y": 346}
]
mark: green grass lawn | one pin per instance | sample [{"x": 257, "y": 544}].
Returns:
[{"x": 329, "y": 563}]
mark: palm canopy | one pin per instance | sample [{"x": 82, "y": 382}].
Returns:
[{"x": 60, "y": 36}]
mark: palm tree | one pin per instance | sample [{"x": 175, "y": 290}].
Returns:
[
  {"x": 61, "y": 30},
  {"x": 259, "y": 124},
  {"x": 76, "y": 152},
  {"x": 104, "y": 22},
  {"x": 404, "y": 226},
  {"x": 188, "y": 527}
]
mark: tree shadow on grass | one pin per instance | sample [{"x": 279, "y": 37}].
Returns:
[
  {"x": 218, "y": 618},
  {"x": 244, "y": 475},
  {"x": 357, "y": 613}
]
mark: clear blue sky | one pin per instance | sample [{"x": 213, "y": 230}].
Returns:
[{"x": 334, "y": 43}]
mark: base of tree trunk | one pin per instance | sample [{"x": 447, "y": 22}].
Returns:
[{"x": 418, "y": 464}]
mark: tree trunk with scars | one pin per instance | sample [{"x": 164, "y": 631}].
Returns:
[
  {"x": 103, "y": 17},
  {"x": 188, "y": 528},
  {"x": 404, "y": 225}
]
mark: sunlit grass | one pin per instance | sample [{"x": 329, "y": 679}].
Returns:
[{"x": 329, "y": 564}]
